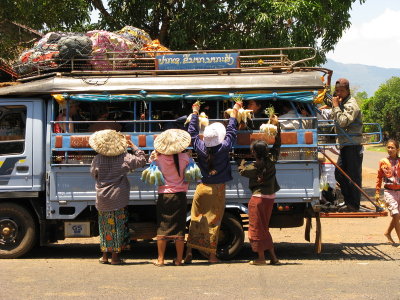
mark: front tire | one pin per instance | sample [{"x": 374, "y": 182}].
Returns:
[
  {"x": 17, "y": 230},
  {"x": 231, "y": 237}
]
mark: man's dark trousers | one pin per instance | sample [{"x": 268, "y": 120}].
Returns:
[{"x": 350, "y": 161}]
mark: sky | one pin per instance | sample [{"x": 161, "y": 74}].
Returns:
[{"x": 374, "y": 36}]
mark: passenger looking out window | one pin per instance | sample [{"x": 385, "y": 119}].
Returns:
[
  {"x": 102, "y": 114},
  {"x": 62, "y": 116}
]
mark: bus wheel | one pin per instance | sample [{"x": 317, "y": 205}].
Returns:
[
  {"x": 17, "y": 230},
  {"x": 230, "y": 239}
]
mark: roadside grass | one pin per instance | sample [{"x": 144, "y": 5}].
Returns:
[{"x": 376, "y": 147}]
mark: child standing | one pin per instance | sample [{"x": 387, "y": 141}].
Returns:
[
  {"x": 389, "y": 173},
  {"x": 263, "y": 184}
]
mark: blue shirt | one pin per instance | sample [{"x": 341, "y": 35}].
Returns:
[{"x": 221, "y": 160}]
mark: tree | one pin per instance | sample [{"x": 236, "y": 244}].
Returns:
[
  {"x": 18, "y": 19},
  {"x": 384, "y": 107},
  {"x": 201, "y": 24},
  {"x": 216, "y": 24},
  {"x": 360, "y": 97}
]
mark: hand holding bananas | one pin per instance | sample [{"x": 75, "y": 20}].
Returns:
[
  {"x": 203, "y": 118},
  {"x": 270, "y": 128},
  {"x": 238, "y": 112},
  {"x": 153, "y": 155},
  {"x": 379, "y": 201},
  {"x": 196, "y": 107}
]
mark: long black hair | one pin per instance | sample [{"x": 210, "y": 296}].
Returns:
[
  {"x": 260, "y": 151},
  {"x": 210, "y": 162},
  {"x": 176, "y": 161}
]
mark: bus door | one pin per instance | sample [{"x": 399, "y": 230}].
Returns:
[{"x": 16, "y": 128}]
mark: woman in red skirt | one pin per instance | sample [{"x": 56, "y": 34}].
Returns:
[{"x": 263, "y": 184}]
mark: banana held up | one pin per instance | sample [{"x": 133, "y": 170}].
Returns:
[
  {"x": 242, "y": 115},
  {"x": 268, "y": 128},
  {"x": 203, "y": 119}
]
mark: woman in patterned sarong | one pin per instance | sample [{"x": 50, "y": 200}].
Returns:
[
  {"x": 110, "y": 168},
  {"x": 209, "y": 199}
]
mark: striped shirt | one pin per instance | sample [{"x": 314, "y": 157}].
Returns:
[{"x": 110, "y": 173}]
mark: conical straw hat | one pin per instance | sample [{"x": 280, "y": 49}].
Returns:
[
  {"x": 108, "y": 142},
  {"x": 172, "y": 141}
]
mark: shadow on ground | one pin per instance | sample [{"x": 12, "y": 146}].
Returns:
[{"x": 286, "y": 251}]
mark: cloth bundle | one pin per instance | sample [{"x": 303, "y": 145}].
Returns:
[
  {"x": 137, "y": 36},
  {"x": 100, "y": 47},
  {"x": 152, "y": 175},
  {"x": 192, "y": 172}
]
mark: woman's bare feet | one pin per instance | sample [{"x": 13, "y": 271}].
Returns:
[
  {"x": 188, "y": 258},
  {"x": 389, "y": 237},
  {"x": 213, "y": 259}
]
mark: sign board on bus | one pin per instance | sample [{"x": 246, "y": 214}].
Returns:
[{"x": 197, "y": 61}]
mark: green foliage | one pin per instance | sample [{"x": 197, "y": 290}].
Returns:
[
  {"x": 41, "y": 15},
  {"x": 206, "y": 24},
  {"x": 384, "y": 107},
  {"x": 200, "y": 24}
]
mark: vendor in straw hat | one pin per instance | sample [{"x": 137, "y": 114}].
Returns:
[
  {"x": 172, "y": 201},
  {"x": 110, "y": 168},
  {"x": 209, "y": 199}
]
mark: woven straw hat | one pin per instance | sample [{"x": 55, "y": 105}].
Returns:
[
  {"x": 108, "y": 142},
  {"x": 214, "y": 134},
  {"x": 172, "y": 141}
]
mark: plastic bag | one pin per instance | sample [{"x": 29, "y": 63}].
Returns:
[
  {"x": 152, "y": 175},
  {"x": 192, "y": 172}
]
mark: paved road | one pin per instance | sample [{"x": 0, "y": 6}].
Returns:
[{"x": 356, "y": 263}]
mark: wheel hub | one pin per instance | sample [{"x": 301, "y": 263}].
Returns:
[{"x": 8, "y": 231}]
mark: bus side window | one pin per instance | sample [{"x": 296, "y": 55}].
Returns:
[{"x": 12, "y": 129}]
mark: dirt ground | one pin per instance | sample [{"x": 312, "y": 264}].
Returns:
[{"x": 356, "y": 263}]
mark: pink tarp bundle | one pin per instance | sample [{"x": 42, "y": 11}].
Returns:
[{"x": 107, "y": 47}]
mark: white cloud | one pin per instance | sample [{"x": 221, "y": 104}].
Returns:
[{"x": 375, "y": 42}]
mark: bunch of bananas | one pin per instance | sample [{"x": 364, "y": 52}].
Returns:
[
  {"x": 242, "y": 115},
  {"x": 268, "y": 128},
  {"x": 192, "y": 172},
  {"x": 203, "y": 119},
  {"x": 152, "y": 175}
]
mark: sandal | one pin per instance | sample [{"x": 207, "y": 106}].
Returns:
[
  {"x": 257, "y": 262},
  {"x": 118, "y": 263}
]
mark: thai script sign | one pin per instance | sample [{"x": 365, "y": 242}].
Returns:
[{"x": 197, "y": 61}]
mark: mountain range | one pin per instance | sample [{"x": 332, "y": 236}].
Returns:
[{"x": 362, "y": 77}]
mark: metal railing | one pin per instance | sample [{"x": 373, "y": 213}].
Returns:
[{"x": 264, "y": 59}]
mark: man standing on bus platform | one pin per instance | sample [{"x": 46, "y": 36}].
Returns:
[{"x": 348, "y": 122}]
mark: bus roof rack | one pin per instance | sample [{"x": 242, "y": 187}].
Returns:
[{"x": 274, "y": 60}]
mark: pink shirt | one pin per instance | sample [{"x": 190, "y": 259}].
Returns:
[{"x": 174, "y": 183}]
